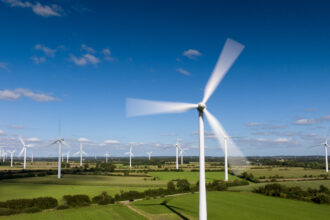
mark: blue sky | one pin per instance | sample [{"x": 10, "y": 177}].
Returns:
[{"x": 77, "y": 61}]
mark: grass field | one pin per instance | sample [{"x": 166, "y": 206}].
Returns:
[
  {"x": 234, "y": 205},
  {"x": 286, "y": 172},
  {"x": 303, "y": 184},
  {"x": 192, "y": 177},
  {"x": 93, "y": 212},
  {"x": 72, "y": 184}
]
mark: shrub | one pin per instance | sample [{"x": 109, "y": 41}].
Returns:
[
  {"x": 170, "y": 186},
  {"x": 19, "y": 204},
  {"x": 62, "y": 207},
  {"x": 45, "y": 202},
  {"x": 32, "y": 210},
  {"x": 183, "y": 185},
  {"x": 76, "y": 200},
  {"x": 6, "y": 211},
  {"x": 103, "y": 199}
]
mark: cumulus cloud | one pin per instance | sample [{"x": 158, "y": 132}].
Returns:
[
  {"x": 33, "y": 139},
  {"x": 85, "y": 59},
  {"x": 305, "y": 121},
  {"x": 48, "y": 51},
  {"x": 107, "y": 55},
  {"x": 183, "y": 71},
  {"x": 2, "y": 132},
  {"x": 38, "y": 60},
  {"x": 18, "y": 93},
  {"x": 191, "y": 54},
  {"x": 88, "y": 49},
  {"x": 37, "y": 8},
  {"x": 82, "y": 139},
  {"x": 111, "y": 142}
]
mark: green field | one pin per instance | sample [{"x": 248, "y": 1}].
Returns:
[
  {"x": 92, "y": 212},
  {"x": 235, "y": 205},
  {"x": 72, "y": 184},
  {"x": 286, "y": 172},
  {"x": 315, "y": 184},
  {"x": 192, "y": 177}
]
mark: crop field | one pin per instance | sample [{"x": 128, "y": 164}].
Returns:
[
  {"x": 314, "y": 184},
  {"x": 92, "y": 212},
  {"x": 73, "y": 184},
  {"x": 234, "y": 205},
  {"x": 192, "y": 177},
  {"x": 286, "y": 172}
]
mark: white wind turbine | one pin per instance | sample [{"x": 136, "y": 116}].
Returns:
[
  {"x": 130, "y": 156},
  {"x": 11, "y": 157},
  {"x": 25, "y": 146},
  {"x": 60, "y": 141},
  {"x": 81, "y": 152},
  {"x": 67, "y": 156},
  {"x": 149, "y": 155},
  {"x": 326, "y": 146},
  {"x": 177, "y": 147},
  {"x": 106, "y": 157},
  {"x": 181, "y": 154},
  {"x": 138, "y": 107},
  {"x": 31, "y": 157}
]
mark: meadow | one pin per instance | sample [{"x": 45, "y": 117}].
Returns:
[
  {"x": 92, "y": 212},
  {"x": 233, "y": 205},
  {"x": 285, "y": 172}
]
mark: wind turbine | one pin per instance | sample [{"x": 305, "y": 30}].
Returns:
[
  {"x": 181, "y": 154},
  {"x": 60, "y": 141},
  {"x": 25, "y": 146},
  {"x": 149, "y": 154},
  {"x": 31, "y": 157},
  {"x": 11, "y": 157},
  {"x": 177, "y": 146},
  {"x": 106, "y": 157},
  {"x": 130, "y": 156},
  {"x": 138, "y": 107},
  {"x": 81, "y": 152},
  {"x": 67, "y": 156},
  {"x": 325, "y": 145}
]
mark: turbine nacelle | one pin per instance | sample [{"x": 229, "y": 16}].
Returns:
[{"x": 201, "y": 106}]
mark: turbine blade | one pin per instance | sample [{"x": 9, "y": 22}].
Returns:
[
  {"x": 66, "y": 144},
  {"x": 139, "y": 107},
  {"x": 229, "y": 54},
  {"x": 21, "y": 140},
  {"x": 84, "y": 153},
  {"x": 237, "y": 158},
  {"x": 21, "y": 152}
]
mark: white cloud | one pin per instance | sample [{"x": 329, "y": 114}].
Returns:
[
  {"x": 253, "y": 124},
  {"x": 48, "y": 51},
  {"x": 88, "y": 49},
  {"x": 282, "y": 140},
  {"x": 16, "y": 126},
  {"x": 305, "y": 121},
  {"x": 107, "y": 55},
  {"x": 111, "y": 142},
  {"x": 17, "y": 93},
  {"x": 183, "y": 71},
  {"x": 38, "y": 60},
  {"x": 85, "y": 59},
  {"x": 33, "y": 139},
  {"x": 9, "y": 95},
  {"x": 40, "y": 97},
  {"x": 4, "y": 66},
  {"x": 2, "y": 132},
  {"x": 82, "y": 139},
  {"x": 38, "y": 9},
  {"x": 192, "y": 54}
]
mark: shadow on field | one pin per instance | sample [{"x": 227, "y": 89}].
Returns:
[{"x": 173, "y": 210}]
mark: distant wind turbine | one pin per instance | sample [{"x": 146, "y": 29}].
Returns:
[
  {"x": 31, "y": 157},
  {"x": 138, "y": 107},
  {"x": 25, "y": 146},
  {"x": 130, "y": 156},
  {"x": 326, "y": 146},
  {"x": 67, "y": 156},
  {"x": 181, "y": 154},
  {"x": 11, "y": 157},
  {"x": 106, "y": 157},
  {"x": 81, "y": 153},
  {"x": 60, "y": 141},
  {"x": 149, "y": 154}
]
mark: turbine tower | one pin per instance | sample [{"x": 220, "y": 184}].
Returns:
[
  {"x": 31, "y": 157},
  {"x": 81, "y": 152},
  {"x": 67, "y": 156},
  {"x": 130, "y": 156},
  {"x": 138, "y": 107},
  {"x": 11, "y": 157},
  {"x": 181, "y": 154},
  {"x": 106, "y": 157},
  {"x": 25, "y": 146},
  {"x": 60, "y": 141},
  {"x": 149, "y": 155},
  {"x": 177, "y": 147}
]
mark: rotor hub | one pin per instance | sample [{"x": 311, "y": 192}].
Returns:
[{"x": 201, "y": 106}]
